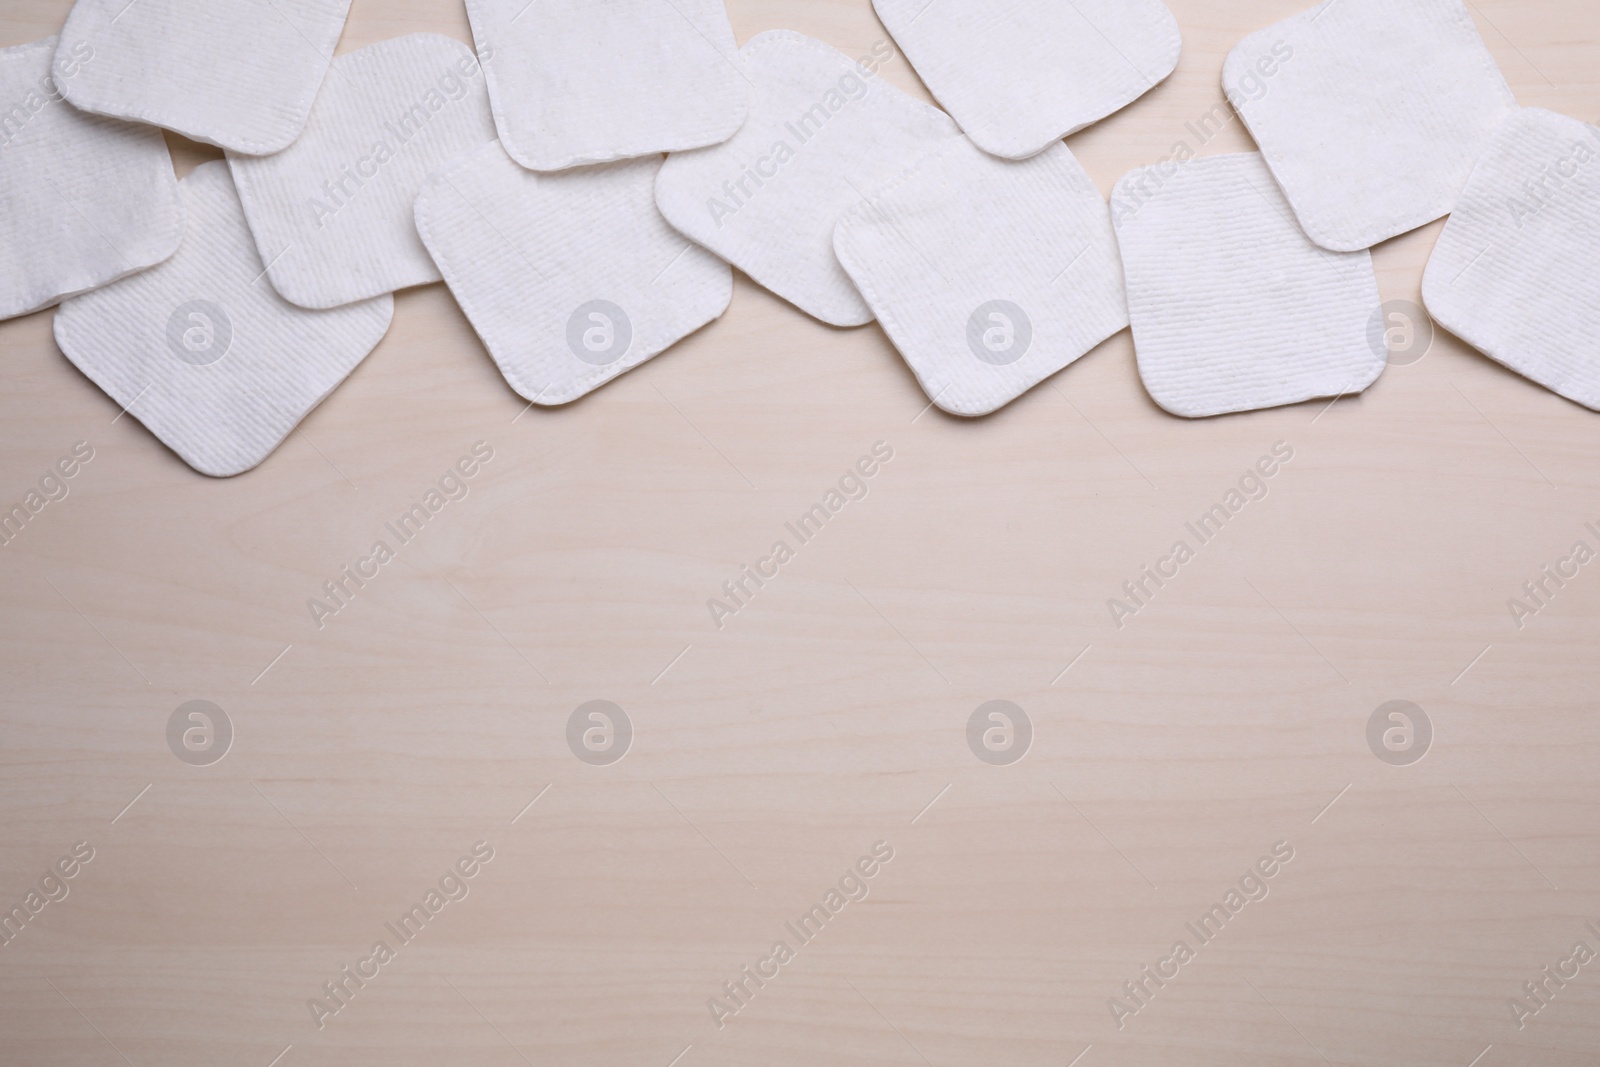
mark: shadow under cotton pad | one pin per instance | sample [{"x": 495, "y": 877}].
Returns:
[
  {"x": 203, "y": 352},
  {"x": 332, "y": 213}
]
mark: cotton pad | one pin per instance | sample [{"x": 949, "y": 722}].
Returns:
[
  {"x": 822, "y": 132},
  {"x": 1021, "y": 74},
  {"x": 570, "y": 278},
  {"x": 1517, "y": 269},
  {"x": 575, "y": 81},
  {"x": 203, "y": 352},
  {"x": 988, "y": 275},
  {"x": 332, "y": 213},
  {"x": 1371, "y": 113},
  {"x": 1233, "y": 308},
  {"x": 83, "y": 200},
  {"x": 238, "y": 74}
]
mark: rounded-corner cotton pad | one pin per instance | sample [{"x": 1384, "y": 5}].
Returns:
[
  {"x": 822, "y": 131},
  {"x": 1233, "y": 308},
  {"x": 83, "y": 200},
  {"x": 1516, "y": 272},
  {"x": 570, "y": 278},
  {"x": 332, "y": 213},
  {"x": 988, "y": 275},
  {"x": 1371, "y": 113},
  {"x": 238, "y": 74},
  {"x": 1020, "y": 74},
  {"x": 576, "y": 81},
  {"x": 203, "y": 352}
]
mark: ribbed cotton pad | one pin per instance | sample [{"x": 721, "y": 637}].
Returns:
[
  {"x": 1233, "y": 308},
  {"x": 822, "y": 132},
  {"x": 1020, "y": 74},
  {"x": 83, "y": 200},
  {"x": 1516, "y": 273},
  {"x": 238, "y": 74},
  {"x": 203, "y": 352},
  {"x": 332, "y": 212},
  {"x": 570, "y": 278},
  {"x": 988, "y": 275},
  {"x": 576, "y": 81},
  {"x": 1371, "y": 113}
]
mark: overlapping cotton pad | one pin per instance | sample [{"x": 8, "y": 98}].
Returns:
[
  {"x": 83, "y": 200},
  {"x": 1371, "y": 113},
  {"x": 203, "y": 352},
  {"x": 988, "y": 275},
  {"x": 570, "y": 278},
  {"x": 822, "y": 132},
  {"x": 238, "y": 74},
  {"x": 1517, "y": 269},
  {"x": 1233, "y": 308},
  {"x": 1021, "y": 74},
  {"x": 332, "y": 213},
  {"x": 575, "y": 81}
]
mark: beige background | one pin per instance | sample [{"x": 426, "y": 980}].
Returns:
[{"x": 770, "y": 754}]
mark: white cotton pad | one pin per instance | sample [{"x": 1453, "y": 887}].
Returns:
[
  {"x": 570, "y": 278},
  {"x": 1370, "y": 113},
  {"x": 203, "y": 352},
  {"x": 83, "y": 200},
  {"x": 238, "y": 74},
  {"x": 575, "y": 81},
  {"x": 822, "y": 132},
  {"x": 332, "y": 212},
  {"x": 1516, "y": 272},
  {"x": 988, "y": 275},
  {"x": 1020, "y": 74},
  {"x": 1233, "y": 308}
]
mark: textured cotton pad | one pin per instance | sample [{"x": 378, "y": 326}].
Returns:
[
  {"x": 332, "y": 213},
  {"x": 203, "y": 352},
  {"x": 1020, "y": 74},
  {"x": 1517, "y": 269},
  {"x": 569, "y": 278},
  {"x": 822, "y": 132},
  {"x": 1233, "y": 307},
  {"x": 1371, "y": 113},
  {"x": 239, "y": 74},
  {"x": 83, "y": 200},
  {"x": 576, "y": 81},
  {"x": 988, "y": 275}
]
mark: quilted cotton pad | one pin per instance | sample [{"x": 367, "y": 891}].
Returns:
[
  {"x": 332, "y": 213},
  {"x": 1021, "y": 74},
  {"x": 239, "y": 74},
  {"x": 1517, "y": 268},
  {"x": 822, "y": 132},
  {"x": 569, "y": 278},
  {"x": 1233, "y": 308},
  {"x": 203, "y": 352},
  {"x": 1371, "y": 113},
  {"x": 575, "y": 81},
  {"x": 83, "y": 200},
  {"x": 988, "y": 275}
]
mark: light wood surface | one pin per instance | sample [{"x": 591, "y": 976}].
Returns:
[{"x": 828, "y": 715}]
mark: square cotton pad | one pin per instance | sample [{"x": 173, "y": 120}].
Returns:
[
  {"x": 575, "y": 81},
  {"x": 83, "y": 200},
  {"x": 988, "y": 275},
  {"x": 1233, "y": 308},
  {"x": 203, "y": 352},
  {"x": 822, "y": 132},
  {"x": 1517, "y": 269},
  {"x": 238, "y": 74},
  {"x": 570, "y": 278},
  {"x": 332, "y": 213},
  {"x": 1371, "y": 113},
  {"x": 1020, "y": 74}
]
